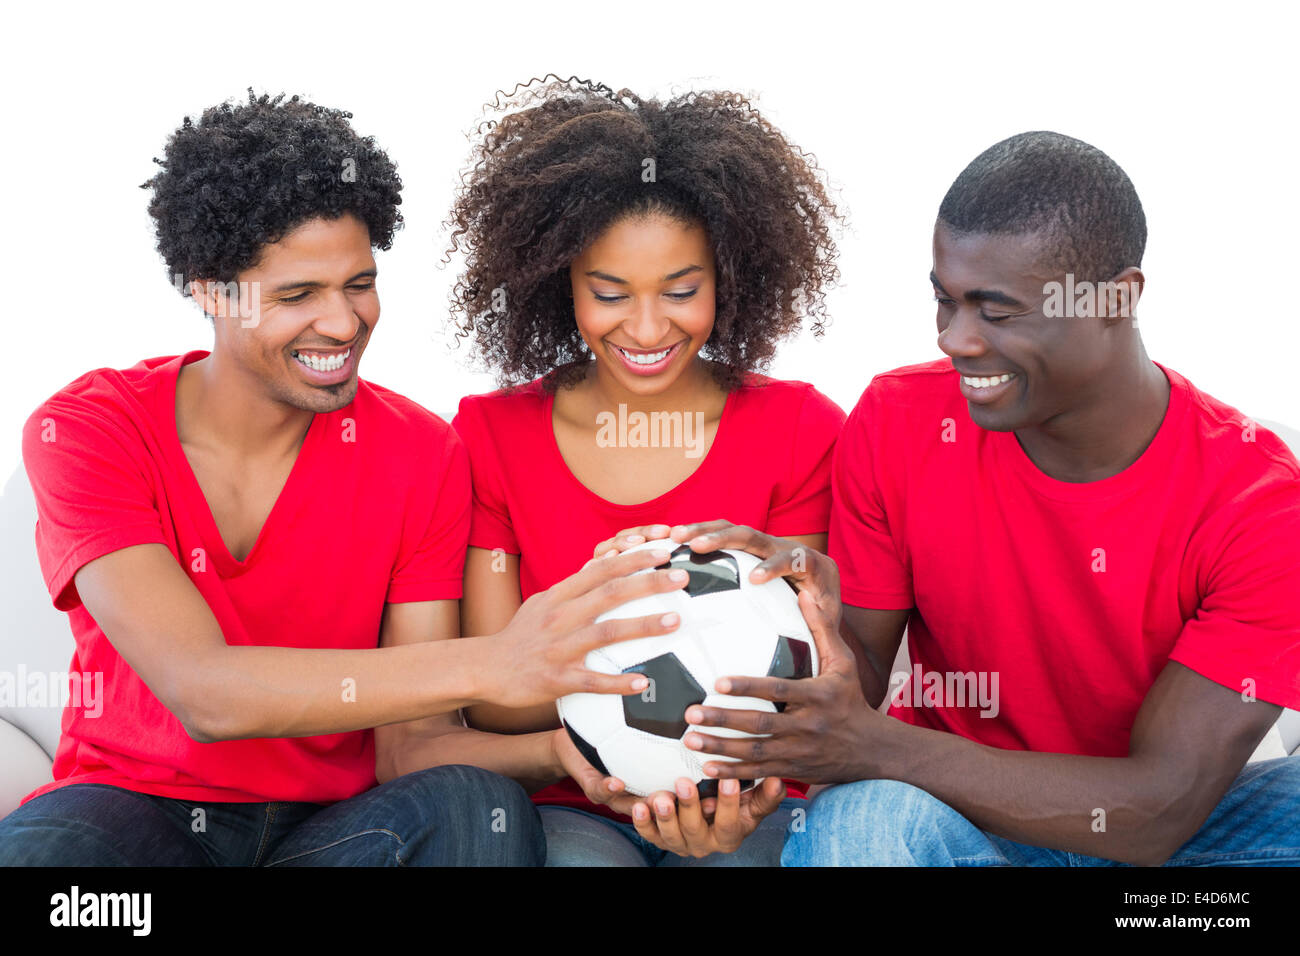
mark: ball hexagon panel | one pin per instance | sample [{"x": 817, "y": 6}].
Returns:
[
  {"x": 659, "y": 709},
  {"x": 710, "y": 571},
  {"x": 792, "y": 660}
]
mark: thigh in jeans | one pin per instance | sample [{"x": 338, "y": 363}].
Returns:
[
  {"x": 89, "y": 824},
  {"x": 443, "y": 816}
]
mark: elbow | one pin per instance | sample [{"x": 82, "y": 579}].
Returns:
[
  {"x": 205, "y": 728},
  {"x": 387, "y": 764},
  {"x": 205, "y": 716},
  {"x": 1169, "y": 817}
]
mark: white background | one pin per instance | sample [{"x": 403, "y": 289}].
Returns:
[{"x": 1198, "y": 103}]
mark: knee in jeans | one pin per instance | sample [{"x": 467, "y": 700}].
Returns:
[{"x": 471, "y": 786}]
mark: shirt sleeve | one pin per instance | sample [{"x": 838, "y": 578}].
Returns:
[
  {"x": 802, "y": 503},
  {"x": 1245, "y": 633},
  {"x": 872, "y": 574},
  {"x": 434, "y": 570},
  {"x": 93, "y": 489},
  {"x": 490, "y": 524}
]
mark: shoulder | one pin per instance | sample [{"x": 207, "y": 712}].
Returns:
[
  {"x": 788, "y": 398},
  {"x": 402, "y": 421},
  {"x": 103, "y": 402},
  {"x": 909, "y": 393},
  {"x": 504, "y": 410},
  {"x": 1246, "y": 454},
  {"x": 393, "y": 407}
]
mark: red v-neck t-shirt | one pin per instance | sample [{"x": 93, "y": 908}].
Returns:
[
  {"x": 768, "y": 467},
  {"x": 374, "y": 512},
  {"x": 1073, "y": 595}
]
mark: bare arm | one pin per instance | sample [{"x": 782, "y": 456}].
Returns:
[
  {"x": 874, "y": 636},
  {"x": 492, "y": 596},
  {"x": 443, "y": 739},
  {"x": 1190, "y": 739},
  {"x": 159, "y": 622}
]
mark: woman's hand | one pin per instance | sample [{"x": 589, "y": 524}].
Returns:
[
  {"x": 630, "y": 537},
  {"x": 685, "y": 825},
  {"x": 540, "y": 655},
  {"x": 605, "y": 791}
]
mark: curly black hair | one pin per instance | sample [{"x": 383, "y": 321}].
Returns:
[
  {"x": 569, "y": 159},
  {"x": 1077, "y": 195},
  {"x": 243, "y": 176}
]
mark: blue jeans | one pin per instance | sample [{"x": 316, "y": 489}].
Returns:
[
  {"x": 443, "y": 816},
  {"x": 888, "y": 823},
  {"x": 578, "y": 838}
]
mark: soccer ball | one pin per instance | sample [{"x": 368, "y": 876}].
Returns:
[{"x": 729, "y": 626}]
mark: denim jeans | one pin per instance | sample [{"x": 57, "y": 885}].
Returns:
[
  {"x": 442, "y": 816},
  {"x": 888, "y": 823},
  {"x": 578, "y": 838}
]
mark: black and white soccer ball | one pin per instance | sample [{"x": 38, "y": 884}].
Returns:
[{"x": 729, "y": 626}]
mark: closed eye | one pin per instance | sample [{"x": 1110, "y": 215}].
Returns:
[{"x": 948, "y": 302}]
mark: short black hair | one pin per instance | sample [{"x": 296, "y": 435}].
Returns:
[
  {"x": 1041, "y": 180},
  {"x": 243, "y": 176}
]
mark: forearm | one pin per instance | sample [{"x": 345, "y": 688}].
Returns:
[
  {"x": 243, "y": 692},
  {"x": 512, "y": 720},
  {"x": 526, "y": 758},
  {"x": 1119, "y": 808}
]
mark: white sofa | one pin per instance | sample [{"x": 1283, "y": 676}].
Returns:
[{"x": 36, "y": 639}]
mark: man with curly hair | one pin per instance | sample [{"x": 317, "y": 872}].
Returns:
[{"x": 261, "y": 553}]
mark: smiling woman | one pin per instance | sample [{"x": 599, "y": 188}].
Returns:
[{"x": 639, "y": 261}]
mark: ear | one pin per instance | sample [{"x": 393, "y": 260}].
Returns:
[
  {"x": 1122, "y": 292},
  {"x": 211, "y": 297}
]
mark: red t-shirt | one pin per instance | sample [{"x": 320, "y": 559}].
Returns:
[
  {"x": 375, "y": 511},
  {"x": 768, "y": 467},
  {"x": 1073, "y": 595}
]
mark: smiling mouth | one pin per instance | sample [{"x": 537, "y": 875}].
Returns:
[
  {"x": 322, "y": 361},
  {"x": 646, "y": 361},
  {"x": 645, "y": 358},
  {"x": 978, "y": 382}
]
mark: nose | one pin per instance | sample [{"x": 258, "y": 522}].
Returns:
[
  {"x": 337, "y": 320},
  {"x": 961, "y": 335},
  {"x": 647, "y": 327}
]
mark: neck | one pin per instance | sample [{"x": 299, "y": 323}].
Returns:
[
  {"x": 691, "y": 389},
  {"x": 1108, "y": 431},
  {"x": 220, "y": 407}
]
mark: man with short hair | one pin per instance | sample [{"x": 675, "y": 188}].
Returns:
[
  {"x": 1097, "y": 565},
  {"x": 262, "y": 553}
]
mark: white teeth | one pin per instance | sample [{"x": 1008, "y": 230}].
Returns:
[
  {"x": 645, "y": 359},
  {"x": 321, "y": 363},
  {"x": 987, "y": 382}
]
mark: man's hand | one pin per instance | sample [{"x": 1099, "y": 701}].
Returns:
[
  {"x": 688, "y": 826},
  {"x": 827, "y": 732},
  {"x": 539, "y": 656}
]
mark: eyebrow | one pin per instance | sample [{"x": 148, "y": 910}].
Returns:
[
  {"x": 596, "y": 274},
  {"x": 309, "y": 284},
  {"x": 981, "y": 295}
]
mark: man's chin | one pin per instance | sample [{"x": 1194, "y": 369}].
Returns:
[
  {"x": 323, "y": 399},
  {"x": 994, "y": 421}
]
